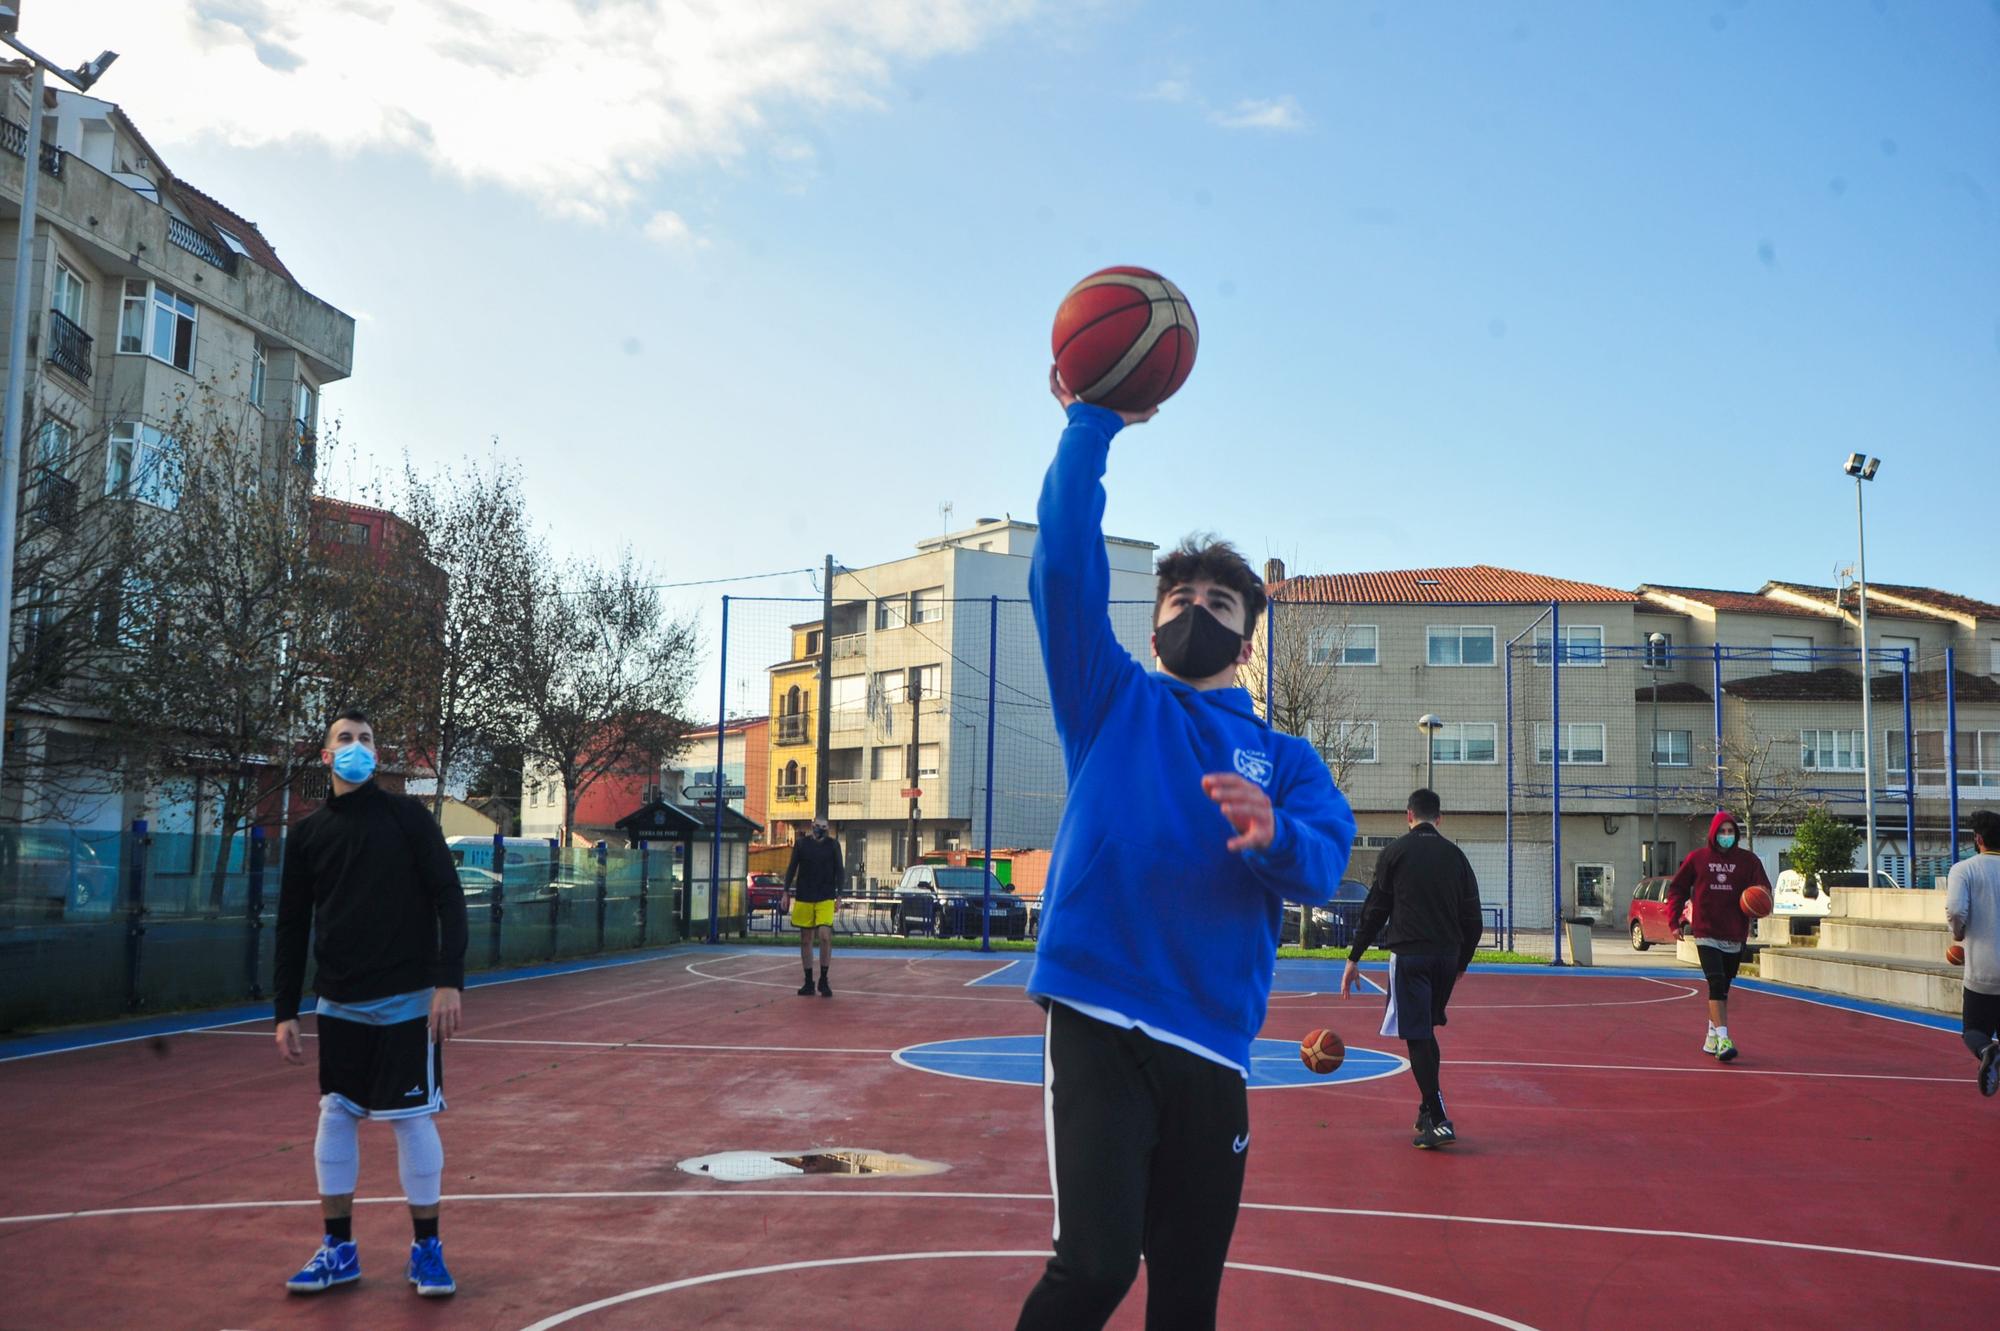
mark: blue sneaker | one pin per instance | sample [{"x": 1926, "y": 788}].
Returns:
[
  {"x": 335, "y": 1263},
  {"x": 427, "y": 1270}
]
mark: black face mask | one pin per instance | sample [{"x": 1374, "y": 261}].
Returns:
[{"x": 1195, "y": 644}]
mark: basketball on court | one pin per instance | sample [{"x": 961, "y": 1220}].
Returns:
[
  {"x": 1756, "y": 902},
  {"x": 1322, "y": 1051},
  {"x": 1124, "y": 338}
]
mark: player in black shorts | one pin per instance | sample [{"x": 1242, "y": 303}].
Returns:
[
  {"x": 369, "y": 880},
  {"x": 1425, "y": 893}
]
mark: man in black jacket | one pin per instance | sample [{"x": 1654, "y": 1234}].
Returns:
[
  {"x": 1425, "y": 893},
  {"x": 368, "y": 879},
  {"x": 814, "y": 879}
]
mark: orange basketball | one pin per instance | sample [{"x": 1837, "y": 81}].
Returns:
[
  {"x": 1955, "y": 954},
  {"x": 1322, "y": 1051},
  {"x": 1756, "y": 902},
  {"x": 1124, "y": 338}
]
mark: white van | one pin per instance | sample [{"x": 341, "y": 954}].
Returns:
[
  {"x": 529, "y": 860},
  {"x": 1793, "y": 895}
]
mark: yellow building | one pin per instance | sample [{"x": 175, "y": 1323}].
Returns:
[{"x": 794, "y": 732}]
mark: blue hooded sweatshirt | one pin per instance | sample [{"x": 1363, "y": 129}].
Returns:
[{"x": 1146, "y": 911}]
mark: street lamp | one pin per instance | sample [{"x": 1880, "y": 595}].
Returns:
[
  {"x": 1863, "y": 469},
  {"x": 17, "y": 331},
  {"x": 1430, "y": 725},
  {"x": 1655, "y": 653}
]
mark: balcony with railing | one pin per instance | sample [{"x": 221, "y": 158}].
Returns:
[
  {"x": 52, "y": 500},
  {"x": 194, "y": 242},
  {"x": 796, "y": 793},
  {"x": 850, "y": 644},
  {"x": 846, "y": 793},
  {"x": 69, "y": 347},
  {"x": 14, "y": 139},
  {"x": 793, "y": 729}
]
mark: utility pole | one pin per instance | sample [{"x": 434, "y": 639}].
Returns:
[
  {"x": 916, "y": 740},
  {"x": 825, "y": 747}
]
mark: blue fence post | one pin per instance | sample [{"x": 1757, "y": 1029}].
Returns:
[
  {"x": 135, "y": 910},
  {"x": 645, "y": 887},
  {"x": 1556, "y": 774},
  {"x": 992, "y": 702},
  {"x": 253, "y": 912},
  {"x": 1951, "y": 752},
  {"x": 1909, "y": 781},
  {"x": 1510, "y": 795},
  {"x": 603, "y": 856},
  {"x": 1717, "y": 650},
  {"x": 721, "y": 729},
  {"x": 498, "y": 906}
]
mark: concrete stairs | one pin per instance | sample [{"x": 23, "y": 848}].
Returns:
[{"x": 1882, "y": 944}]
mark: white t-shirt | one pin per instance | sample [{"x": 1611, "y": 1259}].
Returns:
[{"x": 1972, "y": 905}]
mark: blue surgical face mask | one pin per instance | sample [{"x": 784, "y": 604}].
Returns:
[
  {"x": 1726, "y": 840},
  {"x": 354, "y": 763}
]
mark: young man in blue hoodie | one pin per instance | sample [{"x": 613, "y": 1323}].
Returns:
[{"x": 1189, "y": 821}]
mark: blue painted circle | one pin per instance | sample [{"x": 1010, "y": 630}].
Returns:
[{"x": 1017, "y": 1059}]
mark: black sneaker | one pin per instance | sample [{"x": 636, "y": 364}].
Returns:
[
  {"x": 1423, "y": 1121},
  {"x": 806, "y": 989},
  {"x": 1989, "y": 1068},
  {"x": 825, "y": 989},
  {"x": 1435, "y": 1135}
]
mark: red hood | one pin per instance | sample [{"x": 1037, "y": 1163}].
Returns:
[{"x": 1715, "y": 825}]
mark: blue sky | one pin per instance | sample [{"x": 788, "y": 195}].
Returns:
[{"x": 1600, "y": 291}]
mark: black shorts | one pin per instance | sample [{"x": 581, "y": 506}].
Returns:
[
  {"x": 394, "y": 1071},
  {"x": 1720, "y": 967},
  {"x": 1419, "y": 988},
  {"x": 1982, "y": 1013}
]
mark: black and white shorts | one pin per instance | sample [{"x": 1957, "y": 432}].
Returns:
[
  {"x": 381, "y": 1071},
  {"x": 1419, "y": 988},
  {"x": 1982, "y": 1012}
]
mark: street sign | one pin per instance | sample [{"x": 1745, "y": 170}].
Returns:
[{"x": 914, "y": 792}]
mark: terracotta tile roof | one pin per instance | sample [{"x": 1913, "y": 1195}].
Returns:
[
  {"x": 1846, "y": 599},
  {"x": 207, "y": 215},
  {"x": 1742, "y": 603},
  {"x": 1674, "y": 692},
  {"x": 1947, "y": 601},
  {"x": 1836, "y": 685},
  {"x": 1482, "y": 583}
]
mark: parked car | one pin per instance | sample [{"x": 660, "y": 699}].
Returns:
[
  {"x": 1646, "y": 913},
  {"x": 1332, "y": 924},
  {"x": 767, "y": 891},
  {"x": 945, "y": 901},
  {"x": 54, "y": 874}
]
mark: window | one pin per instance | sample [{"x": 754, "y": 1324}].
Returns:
[
  {"x": 125, "y": 612},
  {"x": 1465, "y": 742},
  {"x": 1673, "y": 748},
  {"x": 849, "y": 697},
  {"x": 1458, "y": 645},
  {"x": 1658, "y": 857},
  {"x": 1894, "y": 648},
  {"x": 891, "y": 687},
  {"x": 305, "y": 416},
  {"x": 927, "y": 606},
  {"x": 812, "y": 644},
  {"x": 889, "y": 763},
  {"x": 1659, "y": 654},
  {"x": 1354, "y": 741},
  {"x": 142, "y": 466},
  {"x": 52, "y": 444},
  {"x": 235, "y": 245},
  {"x": 891, "y": 612},
  {"x": 1830, "y": 750},
  {"x": 258, "y": 367},
  {"x": 1791, "y": 654},
  {"x": 1978, "y": 758},
  {"x": 336, "y": 532},
  {"x": 70, "y": 299},
  {"x": 1591, "y": 880},
  {"x": 1582, "y": 645},
  {"x": 1583, "y": 743},
  {"x": 1355, "y": 645},
  {"x": 927, "y": 762},
  {"x": 1993, "y": 665},
  {"x": 157, "y": 321},
  {"x": 929, "y": 680}
]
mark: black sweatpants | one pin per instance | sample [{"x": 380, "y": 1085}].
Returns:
[
  {"x": 1719, "y": 968},
  {"x": 1147, "y": 1145},
  {"x": 1981, "y": 1020}
]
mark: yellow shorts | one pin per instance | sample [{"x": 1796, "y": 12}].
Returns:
[{"x": 812, "y": 914}]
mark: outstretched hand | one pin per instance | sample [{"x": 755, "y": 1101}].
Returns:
[
  {"x": 1247, "y": 808},
  {"x": 1062, "y": 395}
]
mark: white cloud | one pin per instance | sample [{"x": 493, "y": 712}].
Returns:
[
  {"x": 1278, "y": 113},
  {"x": 579, "y": 104},
  {"x": 1169, "y": 90},
  {"x": 669, "y": 229}
]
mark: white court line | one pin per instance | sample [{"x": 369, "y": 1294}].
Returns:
[
  {"x": 620, "y": 1044},
  {"x": 844, "y": 992},
  {"x": 1709, "y": 1071},
  {"x": 780, "y": 1268},
  {"x": 1002, "y": 967},
  {"x": 862, "y": 1191}
]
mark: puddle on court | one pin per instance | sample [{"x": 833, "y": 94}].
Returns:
[{"x": 763, "y": 1166}]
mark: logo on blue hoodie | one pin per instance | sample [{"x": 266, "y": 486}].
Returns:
[{"x": 1254, "y": 766}]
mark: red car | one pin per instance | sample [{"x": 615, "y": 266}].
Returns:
[
  {"x": 767, "y": 892},
  {"x": 1646, "y": 916}
]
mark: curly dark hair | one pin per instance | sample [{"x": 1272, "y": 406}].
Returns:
[{"x": 1202, "y": 558}]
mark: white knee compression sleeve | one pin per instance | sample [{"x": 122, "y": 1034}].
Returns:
[
  {"x": 419, "y": 1158},
  {"x": 336, "y": 1151}
]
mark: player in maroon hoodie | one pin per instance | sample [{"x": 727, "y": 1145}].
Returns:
[{"x": 1706, "y": 899}]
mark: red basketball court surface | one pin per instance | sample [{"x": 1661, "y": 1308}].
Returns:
[{"x": 1841, "y": 1174}]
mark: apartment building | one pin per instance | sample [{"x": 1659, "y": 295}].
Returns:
[
  {"x": 911, "y": 696},
  {"x": 150, "y": 300}
]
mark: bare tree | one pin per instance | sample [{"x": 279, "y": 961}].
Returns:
[
  {"x": 476, "y": 526},
  {"x": 1758, "y": 785},
  {"x": 1294, "y": 666},
  {"x": 601, "y": 675}
]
